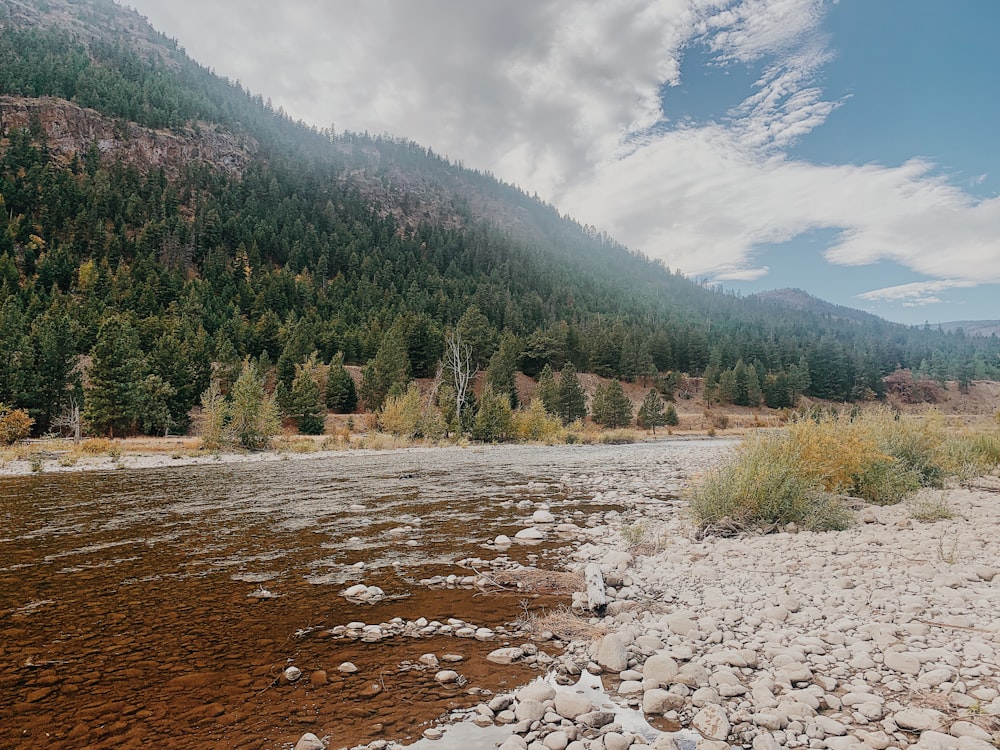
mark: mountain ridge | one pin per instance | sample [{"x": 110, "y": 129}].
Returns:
[{"x": 211, "y": 229}]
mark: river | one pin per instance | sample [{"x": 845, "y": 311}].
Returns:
[{"x": 129, "y": 614}]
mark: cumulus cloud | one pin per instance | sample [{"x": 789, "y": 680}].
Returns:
[{"x": 563, "y": 97}]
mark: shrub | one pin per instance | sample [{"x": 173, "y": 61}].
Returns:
[
  {"x": 930, "y": 506},
  {"x": 15, "y": 425},
  {"x": 401, "y": 415},
  {"x": 763, "y": 487},
  {"x": 494, "y": 419},
  {"x": 537, "y": 425}
]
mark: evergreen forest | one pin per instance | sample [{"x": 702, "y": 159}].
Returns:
[{"x": 128, "y": 288}]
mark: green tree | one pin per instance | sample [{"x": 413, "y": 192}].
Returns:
[
  {"x": 494, "y": 419},
  {"x": 401, "y": 415},
  {"x": 116, "y": 374},
  {"x": 341, "y": 393},
  {"x": 611, "y": 407},
  {"x": 214, "y": 416},
  {"x": 253, "y": 414},
  {"x": 306, "y": 405},
  {"x": 670, "y": 416},
  {"x": 502, "y": 370},
  {"x": 547, "y": 391},
  {"x": 476, "y": 331},
  {"x": 652, "y": 411},
  {"x": 390, "y": 367},
  {"x": 572, "y": 400}
]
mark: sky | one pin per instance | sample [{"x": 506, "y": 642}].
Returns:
[{"x": 844, "y": 147}]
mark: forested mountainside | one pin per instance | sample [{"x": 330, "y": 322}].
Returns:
[{"x": 162, "y": 217}]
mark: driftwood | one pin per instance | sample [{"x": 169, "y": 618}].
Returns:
[{"x": 597, "y": 598}]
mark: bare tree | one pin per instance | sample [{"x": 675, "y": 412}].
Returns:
[
  {"x": 458, "y": 362},
  {"x": 69, "y": 419}
]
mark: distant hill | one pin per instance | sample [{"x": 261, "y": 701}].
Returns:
[
  {"x": 973, "y": 327},
  {"x": 797, "y": 299}
]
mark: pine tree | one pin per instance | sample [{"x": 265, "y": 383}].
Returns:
[
  {"x": 305, "y": 401},
  {"x": 341, "y": 393},
  {"x": 502, "y": 371},
  {"x": 652, "y": 412},
  {"x": 572, "y": 401},
  {"x": 494, "y": 419},
  {"x": 611, "y": 407},
  {"x": 670, "y": 416},
  {"x": 547, "y": 391},
  {"x": 117, "y": 370},
  {"x": 390, "y": 367}
]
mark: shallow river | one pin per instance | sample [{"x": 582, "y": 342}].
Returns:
[{"x": 126, "y": 615}]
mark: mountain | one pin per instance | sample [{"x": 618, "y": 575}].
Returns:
[
  {"x": 973, "y": 327},
  {"x": 797, "y": 299},
  {"x": 161, "y": 217}
]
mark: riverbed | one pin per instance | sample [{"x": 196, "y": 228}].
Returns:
[{"x": 161, "y": 606}]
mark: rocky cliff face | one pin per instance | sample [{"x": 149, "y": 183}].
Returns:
[{"x": 71, "y": 130}]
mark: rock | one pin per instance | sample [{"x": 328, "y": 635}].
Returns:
[
  {"x": 347, "y": 668},
  {"x": 507, "y": 655},
  {"x": 612, "y": 654},
  {"x": 542, "y": 516},
  {"x": 446, "y": 676},
  {"x": 319, "y": 677},
  {"x": 596, "y": 719},
  {"x": 968, "y": 729},
  {"x": 529, "y": 710},
  {"x": 919, "y": 719},
  {"x": 830, "y": 726},
  {"x": 712, "y": 722},
  {"x": 514, "y": 742},
  {"x": 292, "y": 674},
  {"x": 530, "y": 535},
  {"x": 616, "y": 741},
  {"x": 538, "y": 690},
  {"x": 680, "y": 623},
  {"x": 902, "y": 661},
  {"x": 658, "y": 701},
  {"x": 309, "y": 741},
  {"x": 355, "y": 591},
  {"x": 932, "y": 740},
  {"x": 502, "y": 540},
  {"x": 429, "y": 660},
  {"x": 571, "y": 705},
  {"x": 557, "y": 740},
  {"x": 433, "y": 733},
  {"x": 973, "y": 743},
  {"x": 660, "y": 669}
]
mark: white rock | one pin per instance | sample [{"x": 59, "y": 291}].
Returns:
[
  {"x": 658, "y": 701},
  {"x": 529, "y": 710},
  {"x": 358, "y": 590},
  {"x": 507, "y": 655},
  {"x": 557, "y": 740},
  {"x": 919, "y": 719},
  {"x": 612, "y": 654},
  {"x": 292, "y": 673},
  {"x": 902, "y": 661},
  {"x": 309, "y": 741},
  {"x": 712, "y": 722},
  {"x": 446, "y": 676},
  {"x": 531, "y": 534},
  {"x": 542, "y": 516},
  {"x": 571, "y": 705},
  {"x": 616, "y": 741},
  {"x": 502, "y": 540},
  {"x": 660, "y": 669},
  {"x": 539, "y": 690}
]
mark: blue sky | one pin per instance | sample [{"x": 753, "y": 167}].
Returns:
[{"x": 845, "y": 148}]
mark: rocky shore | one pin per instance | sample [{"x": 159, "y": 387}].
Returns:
[{"x": 884, "y": 635}]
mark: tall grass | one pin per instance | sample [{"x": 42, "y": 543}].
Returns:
[{"x": 874, "y": 454}]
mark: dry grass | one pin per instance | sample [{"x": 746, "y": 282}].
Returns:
[
  {"x": 535, "y": 581},
  {"x": 568, "y": 626}
]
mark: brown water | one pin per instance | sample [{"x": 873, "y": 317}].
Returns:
[{"x": 125, "y": 619}]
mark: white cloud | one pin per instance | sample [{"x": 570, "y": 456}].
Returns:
[
  {"x": 915, "y": 294},
  {"x": 563, "y": 98}
]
